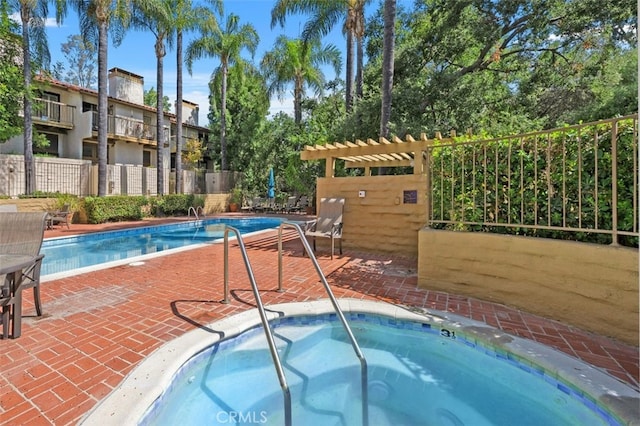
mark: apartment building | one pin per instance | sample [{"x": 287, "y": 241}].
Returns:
[{"x": 67, "y": 116}]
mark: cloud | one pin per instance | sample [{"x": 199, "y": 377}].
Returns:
[
  {"x": 281, "y": 105},
  {"x": 49, "y": 22}
]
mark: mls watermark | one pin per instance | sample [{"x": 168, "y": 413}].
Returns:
[{"x": 242, "y": 417}]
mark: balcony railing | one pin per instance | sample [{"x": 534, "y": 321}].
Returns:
[
  {"x": 54, "y": 113},
  {"x": 128, "y": 127}
]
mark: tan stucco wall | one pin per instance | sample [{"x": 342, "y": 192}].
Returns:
[
  {"x": 216, "y": 203},
  {"x": 593, "y": 287},
  {"x": 379, "y": 221},
  {"x": 31, "y": 204}
]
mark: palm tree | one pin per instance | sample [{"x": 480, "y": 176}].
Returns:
[
  {"x": 298, "y": 62},
  {"x": 157, "y": 17},
  {"x": 96, "y": 18},
  {"x": 387, "y": 65},
  {"x": 33, "y": 14},
  {"x": 186, "y": 17},
  {"x": 324, "y": 15},
  {"x": 226, "y": 45}
]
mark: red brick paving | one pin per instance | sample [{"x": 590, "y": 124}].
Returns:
[{"x": 98, "y": 326}]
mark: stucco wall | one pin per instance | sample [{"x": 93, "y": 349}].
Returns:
[
  {"x": 590, "y": 286},
  {"x": 32, "y": 204},
  {"x": 216, "y": 203},
  {"x": 380, "y": 221}
]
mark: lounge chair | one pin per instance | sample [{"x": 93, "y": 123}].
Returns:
[
  {"x": 60, "y": 217},
  {"x": 328, "y": 224},
  {"x": 22, "y": 233},
  {"x": 291, "y": 205}
]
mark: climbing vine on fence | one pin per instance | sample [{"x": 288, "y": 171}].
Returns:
[{"x": 556, "y": 184}]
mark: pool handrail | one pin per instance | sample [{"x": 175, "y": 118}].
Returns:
[
  {"x": 263, "y": 316},
  {"x": 195, "y": 211},
  {"x": 336, "y": 307}
]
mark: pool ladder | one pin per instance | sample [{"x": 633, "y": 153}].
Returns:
[
  {"x": 195, "y": 211},
  {"x": 265, "y": 322}
]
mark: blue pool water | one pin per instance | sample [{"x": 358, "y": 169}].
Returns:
[
  {"x": 71, "y": 253},
  {"x": 419, "y": 374}
]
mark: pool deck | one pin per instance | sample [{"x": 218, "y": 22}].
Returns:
[{"x": 98, "y": 326}]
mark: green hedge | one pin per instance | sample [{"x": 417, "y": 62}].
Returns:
[
  {"x": 113, "y": 209},
  {"x": 121, "y": 208},
  {"x": 175, "y": 204}
]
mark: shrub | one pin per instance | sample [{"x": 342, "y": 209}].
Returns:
[{"x": 113, "y": 209}]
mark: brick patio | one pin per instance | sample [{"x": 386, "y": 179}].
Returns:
[{"x": 98, "y": 326}]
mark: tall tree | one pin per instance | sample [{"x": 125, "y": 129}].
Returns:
[
  {"x": 97, "y": 17},
  {"x": 186, "y": 17},
  {"x": 156, "y": 16},
  {"x": 33, "y": 14},
  {"x": 81, "y": 59},
  {"x": 298, "y": 62},
  {"x": 387, "y": 65},
  {"x": 225, "y": 44},
  {"x": 324, "y": 16},
  {"x": 11, "y": 77},
  {"x": 246, "y": 108}
]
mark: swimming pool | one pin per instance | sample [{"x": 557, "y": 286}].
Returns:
[
  {"x": 81, "y": 253},
  {"x": 423, "y": 369}
]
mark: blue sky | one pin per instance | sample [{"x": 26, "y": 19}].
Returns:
[{"x": 136, "y": 52}]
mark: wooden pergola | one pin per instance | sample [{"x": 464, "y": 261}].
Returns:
[{"x": 381, "y": 153}]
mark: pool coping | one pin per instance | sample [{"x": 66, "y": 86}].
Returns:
[{"x": 129, "y": 401}]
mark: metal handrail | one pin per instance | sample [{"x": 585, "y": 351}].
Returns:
[
  {"x": 263, "y": 316},
  {"x": 195, "y": 213},
  {"x": 334, "y": 302}
]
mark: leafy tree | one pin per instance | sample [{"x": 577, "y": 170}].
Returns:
[
  {"x": 96, "y": 18},
  {"x": 11, "y": 84},
  {"x": 81, "y": 56},
  {"x": 151, "y": 99},
  {"x": 33, "y": 14},
  {"x": 505, "y": 67},
  {"x": 227, "y": 45},
  {"x": 298, "y": 62},
  {"x": 246, "y": 108}
]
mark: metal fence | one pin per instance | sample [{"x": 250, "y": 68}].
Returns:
[
  {"x": 80, "y": 177},
  {"x": 577, "y": 182}
]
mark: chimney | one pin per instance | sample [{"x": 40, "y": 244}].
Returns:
[{"x": 126, "y": 86}]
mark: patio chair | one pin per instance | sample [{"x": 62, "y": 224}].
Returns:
[
  {"x": 60, "y": 217},
  {"x": 22, "y": 233},
  {"x": 259, "y": 204},
  {"x": 328, "y": 224},
  {"x": 291, "y": 206}
]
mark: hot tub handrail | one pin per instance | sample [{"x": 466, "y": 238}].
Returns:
[
  {"x": 336, "y": 307},
  {"x": 263, "y": 316}
]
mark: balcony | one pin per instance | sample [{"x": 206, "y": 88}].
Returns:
[
  {"x": 51, "y": 113},
  {"x": 128, "y": 129}
]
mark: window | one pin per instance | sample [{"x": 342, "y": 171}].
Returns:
[
  {"x": 146, "y": 158},
  {"x": 86, "y": 106},
  {"x": 52, "y": 149},
  {"x": 90, "y": 151}
]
